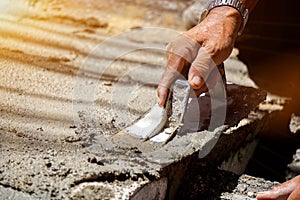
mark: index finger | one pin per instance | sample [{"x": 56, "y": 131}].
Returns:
[
  {"x": 174, "y": 67},
  {"x": 180, "y": 53}
]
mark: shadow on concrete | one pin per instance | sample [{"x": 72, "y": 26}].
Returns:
[{"x": 202, "y": 178}]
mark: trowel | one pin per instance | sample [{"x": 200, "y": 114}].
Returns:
[
  {"x": 161, "y": 124},
  {"x": 165, "y": 121}
]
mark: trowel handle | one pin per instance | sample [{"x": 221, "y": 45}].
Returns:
[
  {"x": 222, "y": 72},
  {"x": 221, "y": 69}
]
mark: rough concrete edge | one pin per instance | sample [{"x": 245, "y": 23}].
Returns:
[
  {"x": 7, "y": 193},
  {"x": 185, "y": 146},
  {"x": 113, "y": 190}
]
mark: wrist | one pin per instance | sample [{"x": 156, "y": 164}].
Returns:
[
  {"x": 229, "y": 15},
  {"x": 226, "y": 10}
]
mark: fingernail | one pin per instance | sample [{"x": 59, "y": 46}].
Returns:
[
  {"x": 265, "y": 192},
  {"x": 196, "y": 80},
  {"x": 158, "y": 99},
  {"x": 160, "y": 102},
  {"x": 262, "y": 193}
]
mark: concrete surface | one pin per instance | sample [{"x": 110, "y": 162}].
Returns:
[
  {"x": 247, "y": 188},
  {"x": 56, "y": 141},
  {"x": 294, "y": 166},
  {"x": 295, "y": 124}
]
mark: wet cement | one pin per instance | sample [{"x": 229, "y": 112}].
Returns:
[
  {"x": 44, "y": 44},
  {"x": 54, "y": 147}
]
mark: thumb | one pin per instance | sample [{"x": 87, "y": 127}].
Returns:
[{"x": 200, "y": 69}]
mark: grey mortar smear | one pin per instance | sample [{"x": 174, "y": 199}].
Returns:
[
  {"x": 169, "y": 117},
  {"x": 180, "y": 96}
]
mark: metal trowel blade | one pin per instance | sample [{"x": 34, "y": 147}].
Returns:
[
  {"x": 154, "y": 122},
  {"x": 180, "y": 97},
  {"x": 151, "y": 124}
]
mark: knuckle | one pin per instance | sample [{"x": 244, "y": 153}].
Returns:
[{"x": 211, "y": 48}]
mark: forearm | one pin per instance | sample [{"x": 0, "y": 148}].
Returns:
[{"x": 233, "y": 14}]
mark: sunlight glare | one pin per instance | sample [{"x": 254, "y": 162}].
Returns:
[{"x": 4, "y": 5}]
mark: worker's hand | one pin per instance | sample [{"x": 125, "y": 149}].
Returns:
[
  {"x": 289, "y": 190},
  {"x": 200, "y": 49}
]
